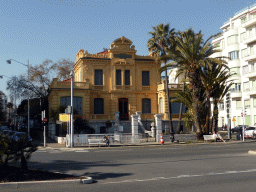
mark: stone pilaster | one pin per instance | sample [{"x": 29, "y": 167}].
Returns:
[{"x": 158, "y": 119}]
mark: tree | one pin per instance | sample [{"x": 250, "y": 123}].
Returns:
[
  {"x": 212, "y": 77},
  {"x": 81, "y": 125},
  {"x": 23, "y": 150},
  {"x": 190, "y": 54},
  {"x": 63, "y": 67},
  {"x": 40, "y": 78},
  {"x": 158, "y": 45},
  {"x": 185, "y": 97}
]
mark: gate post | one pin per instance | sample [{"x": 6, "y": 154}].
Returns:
[
  {"x": 158, "y": 119},
  {"x": 135, "y": 135}
]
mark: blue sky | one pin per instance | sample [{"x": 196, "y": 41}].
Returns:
[{"x": 37, "y": 30}]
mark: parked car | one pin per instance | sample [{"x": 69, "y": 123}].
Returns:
[
  {"x": 19, "y": 135},
  {"x": 237, "y": 128},
  {"x": 11, "y": 133},
  {"x": 250, "y": 132},
  {"x": 6, "y": 132},
  {"x": 22, "y": 127},
  {"x": 2, "y": 128}
]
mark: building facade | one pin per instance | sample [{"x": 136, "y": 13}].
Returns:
[
  {"x": 115, "y": 80},
  {"x": 238, "y": 42}
]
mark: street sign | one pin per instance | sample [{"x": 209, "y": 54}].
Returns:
[
  {"x": 233, "y": 119},
  {"x": 44, "y": 120},
  {"x": 64, "y": 117}
]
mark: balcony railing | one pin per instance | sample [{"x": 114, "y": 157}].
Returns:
[
  {"x": 79, "y": 85},
  {"x": 235, "y": 90},
  {"x": 122, "y": 87},
  {"x": 102, "y": 117},
  {"x": 175, "y": 86},
  {"x": 226, "y": 22},
  {"x": 217, "y": 36}
]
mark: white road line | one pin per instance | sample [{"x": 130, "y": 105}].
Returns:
[
  {"x": 162, "y": 148},
  {"x": 111, "y": 150},
  {"x": 184, "y": 176},
  {"x": 82, "y": 151}
]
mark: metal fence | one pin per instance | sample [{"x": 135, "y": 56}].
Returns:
[{"x": 125, "y": 138}]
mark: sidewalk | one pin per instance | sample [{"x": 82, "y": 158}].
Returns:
[{"x": 50, "y": 144}]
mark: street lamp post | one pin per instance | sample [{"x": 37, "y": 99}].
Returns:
[
  {"x": 9, "y": 62},
  {"x": 72, "y": 129}
]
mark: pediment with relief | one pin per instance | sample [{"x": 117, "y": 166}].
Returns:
[{"x": 122, "y": 43}]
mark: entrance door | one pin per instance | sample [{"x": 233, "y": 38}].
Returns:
[{"x": 123, "y": 108}]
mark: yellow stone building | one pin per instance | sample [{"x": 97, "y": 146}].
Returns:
[{"x": 114, "y": 80}]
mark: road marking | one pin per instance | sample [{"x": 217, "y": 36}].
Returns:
[
  {"x": 162, "y": 148},
  {"x": 112, "y": 150},
  {"x": 55, "y": 151},
  {"x": 183, "y": 176},
  {"x": 82, "y": 151}
]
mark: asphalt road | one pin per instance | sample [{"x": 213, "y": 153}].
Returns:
[{"x": 214, "y": 167}]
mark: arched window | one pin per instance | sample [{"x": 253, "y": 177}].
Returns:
[
  {"x": 146, "y": 106},
  {"x": 98, "y": 106},
  {"x": 77, "y": 103}
]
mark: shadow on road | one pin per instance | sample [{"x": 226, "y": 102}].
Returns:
[
  {"x": 102, "y": 176},
  {"x": 68, "y": 165}
]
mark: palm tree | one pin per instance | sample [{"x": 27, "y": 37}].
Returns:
[
  {"x": 185, "y": 98},
  {"x": 212, "y": 77},
  {"x": 218, "y": 94},
  {"x": 190, "y": 54},
  {"x": 158, "y": 45}
]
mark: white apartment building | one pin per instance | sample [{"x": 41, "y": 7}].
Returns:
[{"x": 238, "y": 42}]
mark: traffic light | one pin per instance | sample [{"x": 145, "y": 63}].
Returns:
[{"x": 245, "y": 111}]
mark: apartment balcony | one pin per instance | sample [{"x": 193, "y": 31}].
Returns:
[
  {"x": 250, "y": 57},
  {"x": 235, "y": 76},
  {"x": 234, "y": 63},
  {"x": 236, "y": 93},
  {"x": 250, "y": 39},
  {"x": 176, "y": 86},
  {"x": 218, "y": 54},
  {"x": 249, "y": 23},
  {"x": 252, "y": 92},
  {"x": 232, "y": 47},
  {"x": 250, "y": 74}
]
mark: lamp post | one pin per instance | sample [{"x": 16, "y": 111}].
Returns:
[
  {"x": 9, "y": 62},
  {"x": 72, "y": 129}
]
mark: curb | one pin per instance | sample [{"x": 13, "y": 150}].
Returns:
[{"x": 16, "y": 185}]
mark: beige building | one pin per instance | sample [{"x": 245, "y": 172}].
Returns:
[{"x": 114, "y": 80}]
